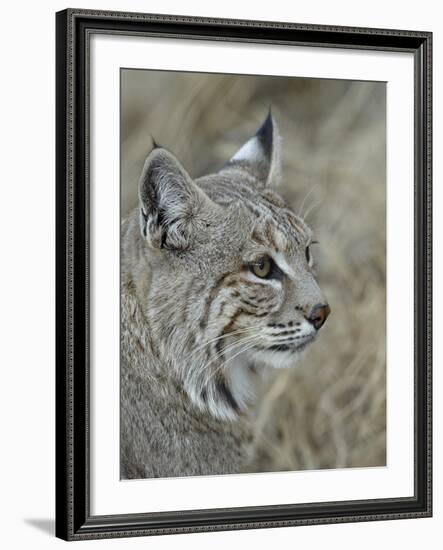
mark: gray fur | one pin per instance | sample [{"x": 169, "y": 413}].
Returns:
[{"x": 198, "y": 329}]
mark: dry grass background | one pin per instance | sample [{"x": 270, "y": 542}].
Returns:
[{"x": 330, "y": 411}]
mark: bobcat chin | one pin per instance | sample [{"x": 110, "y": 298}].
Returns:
[{"x": 218, "y": 287}]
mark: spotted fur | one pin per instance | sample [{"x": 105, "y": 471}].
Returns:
[{"x": 199, "y": 328}]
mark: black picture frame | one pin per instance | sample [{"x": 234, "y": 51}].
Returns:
[{"x": 73, "y": 518}]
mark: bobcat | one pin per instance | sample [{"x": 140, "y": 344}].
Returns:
[{"x": 217, "y": 288}]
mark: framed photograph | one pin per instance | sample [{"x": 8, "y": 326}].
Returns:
[{"x": 243, "y": 274}]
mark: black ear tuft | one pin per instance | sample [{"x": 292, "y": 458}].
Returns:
[
  {"x": 155, "y": 144},
  {"x": 265, "y": 135},
  {"x": 260, "y": 155}
]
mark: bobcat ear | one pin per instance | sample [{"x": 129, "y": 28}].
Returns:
[
  {"x": 261, "y": 155},
  {"x": 169, "y": 202}
]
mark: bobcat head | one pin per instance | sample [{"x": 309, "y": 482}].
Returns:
[{"x": 225, "y": 273}]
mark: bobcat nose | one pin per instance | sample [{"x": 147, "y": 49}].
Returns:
[{"x": 318, "y": 315}]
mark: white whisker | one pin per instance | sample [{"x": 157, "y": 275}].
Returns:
[
  {"x": 308, "y": 194},
  {"x": 251, "y": 344},
  {"x": 229, "y": 348},
  {"x": 312, "y": 207},
  {"x": 233, "y": 333}
]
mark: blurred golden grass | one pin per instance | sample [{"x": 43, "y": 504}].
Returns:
[{"x": 329, "y": 412}]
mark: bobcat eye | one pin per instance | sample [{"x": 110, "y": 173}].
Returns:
[{"x": 262, "y": 268}]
